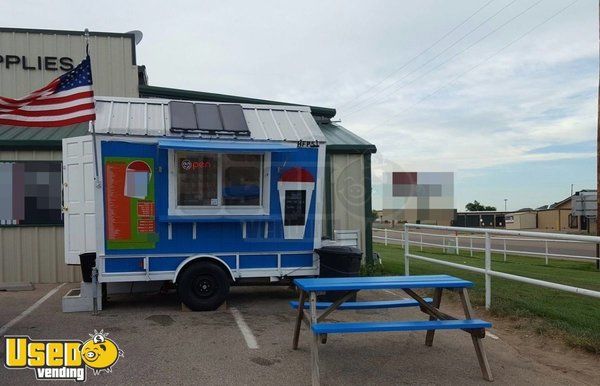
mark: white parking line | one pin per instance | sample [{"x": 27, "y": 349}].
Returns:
[
  {"x": 495, "y": 337},
  {"x": 28, "y": 311},
  {"x": 246, "y": 331}
]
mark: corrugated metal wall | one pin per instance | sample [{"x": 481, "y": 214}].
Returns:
[
  {"x": 348, "y": 193},
  {"x": 34, "y": 254},
  {"x": 113, "y": 69}
]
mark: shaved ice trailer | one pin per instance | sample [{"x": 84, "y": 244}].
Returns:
[{"x": 203, "y": 195}]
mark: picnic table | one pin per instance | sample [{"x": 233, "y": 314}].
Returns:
[{"x": 349, "y": 286}]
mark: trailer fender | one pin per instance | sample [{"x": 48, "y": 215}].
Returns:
[{"x": 212, "y": 258}]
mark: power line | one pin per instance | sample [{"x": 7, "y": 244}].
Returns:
[
  {"x": 453, "y": 56},
  {"x": 359, "y": 96},
  {"x": 435, "y": 57},
  {"x": 480, "y": 63}
]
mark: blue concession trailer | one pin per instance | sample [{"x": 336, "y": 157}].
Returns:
[{"x": 201, "y": 194}]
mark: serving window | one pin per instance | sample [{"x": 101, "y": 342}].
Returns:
[
  {"x": 204, "y": 182},
  {"x": 197, "y": 179}
]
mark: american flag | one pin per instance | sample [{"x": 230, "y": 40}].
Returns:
[{"x": 66, "y": 100}]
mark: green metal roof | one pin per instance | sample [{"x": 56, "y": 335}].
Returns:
[
  {"x": 342, "y": 140},
  {"x": 173, "y": 93},
  {"x": 16, "y": 137}
]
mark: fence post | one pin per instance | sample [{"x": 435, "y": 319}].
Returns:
[
  {"x": 471, "y": 244},
  {"x": 421, "y": 242},
  {"x": 406, "y": 252},
  {"x": 488, "y": 267},
  {"x": 505, "y": 250},
  {"x": 457, "y": 250},
  {"x": 385, "y": 236},
  {"x": 444, "y": 244},
  {"x": 546, "y": 242}
]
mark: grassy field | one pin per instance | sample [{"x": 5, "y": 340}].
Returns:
[{"x": 576, "y": 318}]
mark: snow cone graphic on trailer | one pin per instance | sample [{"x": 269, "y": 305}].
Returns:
[
  {"x": 295, "y": 187},
  {"x": 201, "y": 194}
]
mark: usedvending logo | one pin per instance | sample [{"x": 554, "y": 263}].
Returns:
[{"x": 62, "y": 359}]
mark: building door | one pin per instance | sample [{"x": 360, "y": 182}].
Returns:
[
  {"x": 584, "y": 223},
  {"x": 78, "y": 197}
]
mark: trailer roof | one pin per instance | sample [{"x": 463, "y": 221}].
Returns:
[{"x": 153, "y": 118}]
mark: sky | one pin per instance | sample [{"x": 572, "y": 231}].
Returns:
[{"x": 501, "y": 92}]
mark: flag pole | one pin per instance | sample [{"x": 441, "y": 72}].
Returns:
[
  {"x": 96, "y": 179},
  {"x": 86, "y": 34}
]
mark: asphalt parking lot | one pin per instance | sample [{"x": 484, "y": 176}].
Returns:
[{"x": 163, "y": 344}]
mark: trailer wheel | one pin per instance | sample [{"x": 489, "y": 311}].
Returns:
[{"x": 203, "y": 286}]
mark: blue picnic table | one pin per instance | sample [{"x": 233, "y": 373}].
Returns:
[{"x": 349, "y": 286}]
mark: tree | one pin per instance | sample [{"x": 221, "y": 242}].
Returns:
[
  {"x": 475, "y": 206},
  {"x": 374, "y": 215}
]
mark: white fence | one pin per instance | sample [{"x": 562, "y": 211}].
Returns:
[{"x": 407, "y": 238}]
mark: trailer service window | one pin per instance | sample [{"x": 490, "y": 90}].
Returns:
[{"x": 218, "y": 180}]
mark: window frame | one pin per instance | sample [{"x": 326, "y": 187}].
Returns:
[{"x": 174, "y": 209}]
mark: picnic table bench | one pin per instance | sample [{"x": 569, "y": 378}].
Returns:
[{"x": 349, "y": 286}]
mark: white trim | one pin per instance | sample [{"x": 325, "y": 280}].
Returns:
[
  {"x": 320, "y": 198},
  {"x": 243, "y": 273},
  {"x": 99, "y": 198},
  {"x": 203, "y": 257},
  {"x": 235, "y": 273},
  {"x": 219, "y": 210},
  {"x": 295, "y": 232},
  {"x": 226, "y": 253}
]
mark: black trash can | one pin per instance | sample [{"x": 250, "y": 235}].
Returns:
[
  {"x": 338, "y": 261},
  {"x": 88, "y": 261}
]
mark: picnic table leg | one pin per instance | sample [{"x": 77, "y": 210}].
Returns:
[
  {"x": 477, "y": 342},
  {"x": 314, "y": 342},
  {"x": 437, "y": 300},
  {"x": 299, "y": 319}
]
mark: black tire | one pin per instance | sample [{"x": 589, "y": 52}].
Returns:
[{"x": 203, "y": 286}]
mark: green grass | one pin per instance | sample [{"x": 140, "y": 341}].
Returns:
[{"x": 576, "y": 318}]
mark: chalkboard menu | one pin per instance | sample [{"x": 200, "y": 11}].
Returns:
[{"x": 295, "y": 207}]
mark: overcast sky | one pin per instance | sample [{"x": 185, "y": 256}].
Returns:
[{"x": 501, "y": 92}]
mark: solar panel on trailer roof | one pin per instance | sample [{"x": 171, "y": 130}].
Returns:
[
  {"x": 233, "y": 118},
  {"x": 208, "y": 117}
]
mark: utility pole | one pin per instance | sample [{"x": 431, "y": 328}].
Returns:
[
  {"x": 598, "y": 160},
  {"x": 505, "y": 200}
]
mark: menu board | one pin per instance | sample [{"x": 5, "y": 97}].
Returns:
[
  {"x": 295, "y": 207},
  {"x": 129, "y": 203}
]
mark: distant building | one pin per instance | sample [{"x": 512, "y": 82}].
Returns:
[
  {"x": 575, "y": 213},
  {"x": 419, "y": 197},
  {"x": 480, "y": 219},
  {"x": 560, "y": 216},
  {"x": 523, "y": 219}
]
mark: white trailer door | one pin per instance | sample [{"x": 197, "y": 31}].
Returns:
[{"x": 78, "y": 197}]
